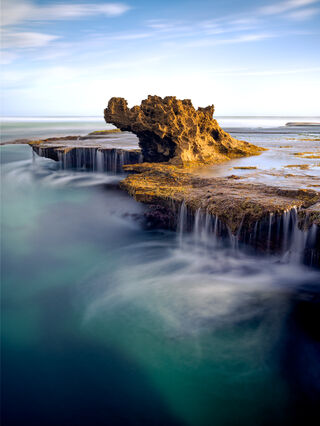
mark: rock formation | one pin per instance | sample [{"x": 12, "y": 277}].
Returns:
[
  {"x": 172, "y": 130},
  {"x": 265, "y": 217},
  {"x": 237, "y": 204}
]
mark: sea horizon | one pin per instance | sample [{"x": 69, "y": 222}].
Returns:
[{"x": 11, "y": 117}]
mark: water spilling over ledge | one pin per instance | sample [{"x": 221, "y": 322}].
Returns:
[
  {"x": 100, "y": 151},
  {"x": 269, "y": 219},
  {"x": 286, "y": 235},
  {"x": 174, "y": 139},
  {"x": 91, "y": 158}
]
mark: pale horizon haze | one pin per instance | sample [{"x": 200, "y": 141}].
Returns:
[{"x": 246, "y": 57}]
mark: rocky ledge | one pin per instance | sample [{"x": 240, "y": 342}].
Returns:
[
  {"x": 237, "y": 204},
  {"x": 172, "y": 130},
  {"x": 266, "y": 217},
  {"x": 174, "y": 137},
  {"x": 95, "y": 151}
]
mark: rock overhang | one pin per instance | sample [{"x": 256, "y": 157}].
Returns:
[{"x": 172, "y": 130}]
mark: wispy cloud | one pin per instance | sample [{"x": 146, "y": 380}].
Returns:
[
  {"x": 303, "y": 14},
  {"x": 18, "y": 11},
  {"x": 243, "y": 38},
  {"x": 285, "y": 6},
  {"x": 169, "y": 25},
  {"x": 272, "y": 72},
  {"x": 130, "y": 36},
  {"x": 21, "y": 40}
]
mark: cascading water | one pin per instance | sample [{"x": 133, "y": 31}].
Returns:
[
  {"x": 269, "y": 231},
  {"x": 182, "y": 221},
  {"x": 100, "y": 160},
  {"x": 204, "y": 224},
  {"x": 95, "y": 159},
  {"x": 281, "y": 234},
  {"x": 285, "y": 233}
]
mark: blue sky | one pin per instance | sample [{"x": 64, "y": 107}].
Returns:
[{"x": 247, "y": 57}]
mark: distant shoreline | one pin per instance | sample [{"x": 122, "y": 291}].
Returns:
[{"x": 301, "y": 123}]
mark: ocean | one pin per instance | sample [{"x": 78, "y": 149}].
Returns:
[{"x": 107, "y": 322}]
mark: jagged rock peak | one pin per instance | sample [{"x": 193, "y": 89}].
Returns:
[{"x": 170, "y": 129}]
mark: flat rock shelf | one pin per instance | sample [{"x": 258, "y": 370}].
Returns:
[
  {"x": 268, "y": 218},
  {"x": 98, "y": 151}
]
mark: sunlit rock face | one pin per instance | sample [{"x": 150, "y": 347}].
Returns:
[{"x": 172, "y": 130}]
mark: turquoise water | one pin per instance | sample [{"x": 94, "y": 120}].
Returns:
[
  {"x": 105, "y": 322},
  {"x": 43, "y": 127}
]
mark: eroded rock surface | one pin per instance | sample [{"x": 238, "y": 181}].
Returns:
[
  {"x": 172, "y": 130},
  {"x": 236, "y": 203}
]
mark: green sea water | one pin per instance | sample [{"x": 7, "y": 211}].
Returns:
[{"x": 106, "y": 323}]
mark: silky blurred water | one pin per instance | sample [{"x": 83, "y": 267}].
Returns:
[
  {"x": 44, "y": 127},
  {"x": 105, "y": 322}
]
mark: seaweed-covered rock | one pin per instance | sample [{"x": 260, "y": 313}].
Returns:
[{"x": 172, "y": 130}]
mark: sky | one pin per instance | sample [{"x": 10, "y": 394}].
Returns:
[{"x": 247, "y": 57}]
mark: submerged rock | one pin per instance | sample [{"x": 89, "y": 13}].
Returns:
[{"x": 172, "y": 130}]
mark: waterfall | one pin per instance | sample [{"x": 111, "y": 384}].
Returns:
[
  {"x": 60, "y": 159},
  {"x": 269, "y": 231},
  {"x": 182, "y": 221},
  {"x": 100, "y": 161},
  {"x": 91, "y": 158},
  {"x": 286, "y": 223},
  {"x": 301, "y": 239},
  {"x": 216, "y": 228},
  {"x": 78, "y": 158},
  {"x": 197, "y": 228},
  {"x": 232, "y": 239},
  {"x": 114, "y": 160},
  {"x": 95, "y": 159},
  {"x": 207, "y": 231},
  {"x": 121, "y": 160},
  {"x": 278, "y": 234},
  {"x": 203, "y": 227}
]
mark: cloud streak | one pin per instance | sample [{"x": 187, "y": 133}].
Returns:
[
  {"x": 17, "y": 12},
  {"x": 21, "y": 40},
  {"x": 301, "y": 15},
  {"x": 244, "y": 38},
  {"x": 286, "y": 6}
]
